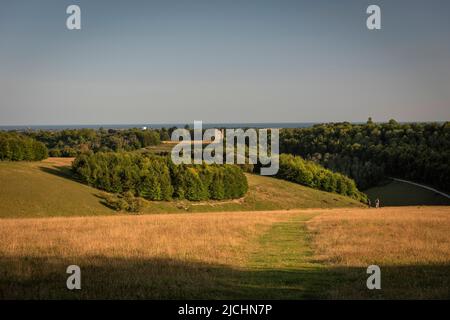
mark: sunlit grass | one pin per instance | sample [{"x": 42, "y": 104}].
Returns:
[{"x": 410, "y": 244}]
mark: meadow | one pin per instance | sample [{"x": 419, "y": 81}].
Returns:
[
  {"x": 297, "y": 254},
  {"x": 410, "y": 244},
  {"x": 281, "y": 241}
]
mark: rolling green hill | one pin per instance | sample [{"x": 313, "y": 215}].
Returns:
[
  {"x": 38, "y": 189},
  {"x": 47, "y": 188}
]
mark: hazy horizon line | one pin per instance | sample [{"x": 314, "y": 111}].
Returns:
[{"x": 137, "y": 124}]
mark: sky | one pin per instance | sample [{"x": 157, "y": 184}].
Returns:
[{"x": 223, "y": 61}]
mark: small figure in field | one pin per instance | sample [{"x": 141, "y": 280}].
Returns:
[
  {"x": 377, "y": 203},
  {"x": 369, "y": 203}
]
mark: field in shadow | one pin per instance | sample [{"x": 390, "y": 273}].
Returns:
[
  {"x": 106, "y": 278},
  {"x": 60, "y": 171},
  {"x": 45, "y": 278}
]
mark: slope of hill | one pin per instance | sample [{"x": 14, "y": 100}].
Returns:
[
  {"x": 39, "y": 189},
  {"x": 47, "y": 188}
]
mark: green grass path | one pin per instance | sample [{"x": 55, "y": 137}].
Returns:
[{"x": 282, "y": 266}]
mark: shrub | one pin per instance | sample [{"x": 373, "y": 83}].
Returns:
[{"x": 123, "y": 202}]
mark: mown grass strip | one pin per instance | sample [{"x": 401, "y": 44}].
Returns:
[{"x": 283, "y": 266}]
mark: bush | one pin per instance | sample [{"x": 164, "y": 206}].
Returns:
[
  {"x": 124, "y": 202},
  {"x": 55, "y": 153}
]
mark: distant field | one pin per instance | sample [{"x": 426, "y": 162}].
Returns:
[
  {"x": 316, "y": 253},
  {"x": 47, "y": 188},
  {"x": 396, "y": 193},
  {"x": 163, "y": 148}
]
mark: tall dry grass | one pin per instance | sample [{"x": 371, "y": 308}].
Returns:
[
  {"x": 410, "y": 244},
  {"x": 207, "y": 255},
  {"x": 158, "y": 256},
  {"x": 394, "y": 235},
  {"x": 212, "y": 238}
]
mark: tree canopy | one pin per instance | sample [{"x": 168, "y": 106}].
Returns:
[
  {"x": 370, "y": 152},
  {"x": 70, "y": 143},
  {"x": 311, "y": 174},
  {"x": 17, "y": 147},
  {"x": 157, "y": 178}
]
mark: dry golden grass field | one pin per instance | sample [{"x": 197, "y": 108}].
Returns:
[
  {"x": 410, "y": 244},
  {"x": 313, "y": 253},
  {"x": 154, "y": 256}
]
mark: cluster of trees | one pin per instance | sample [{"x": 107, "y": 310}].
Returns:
[
  {"x": 70, "y": 143},
  {"x": 369, "y": 152},
  {"x": 311, "y": 174},
  {"x": 157, "y": 178},
  {"x": 17, "y": 147}
]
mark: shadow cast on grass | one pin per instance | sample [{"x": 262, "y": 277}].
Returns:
[
  {"x": 103, "y": 201},
  {"x": 114, "y": 278},
  {"x": 66, "y": 173},
  {"x": 60, "y": 171}
]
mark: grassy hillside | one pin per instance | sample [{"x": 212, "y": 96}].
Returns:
[
  {"x": 39, "y": 189},
  {"x": 396, "y": 193},
  {"x": 298, "y": 254},
  {"x": 36, "y": 189}
]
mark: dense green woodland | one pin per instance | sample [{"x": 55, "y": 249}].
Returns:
[
  {"x": 369, "y": 152},
  {"x": 311, "y": 174},
  {"x": 157, "y": 178},
  {"x": 17, "y": 147},
  {"x": 70, "y": 143}
]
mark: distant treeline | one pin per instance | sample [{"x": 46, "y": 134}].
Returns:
[
  {"x": 70, "y": 143},
  {"x": 370, "y": 152},
  {"x": 311, "y": 174},
  {"x": 17, "y": 147},
  {"x": 157, "y": 178}
]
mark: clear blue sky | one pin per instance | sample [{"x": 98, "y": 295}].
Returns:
[{"x": 223, "y": 61}]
